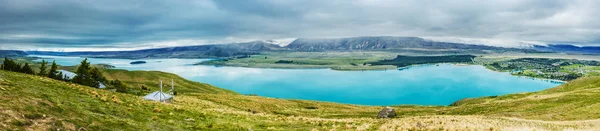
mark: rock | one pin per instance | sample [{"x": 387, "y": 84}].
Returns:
[
  {"x": 253, "y": 111},
  {"x": 387, "y": 112}
]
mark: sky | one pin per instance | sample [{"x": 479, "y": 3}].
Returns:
[{"x": 136, "y": 24}]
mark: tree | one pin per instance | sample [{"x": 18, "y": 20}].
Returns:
[
  {"x": 119, "y": 86},
  {"x": 43, "y": 67},
  {"x": 4, "y": 67},
  {"x": 53, "y": 71},
  {"x": 84, "y": 76},
  {"x": 61, "y": 77},
  {"x": 10, "y": 65},
  {"x": 27, "y": 69},
  {"x": 88, "y": 75},
  {"x": 97, "y": 75}
]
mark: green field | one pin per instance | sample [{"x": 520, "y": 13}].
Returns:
[
  {"x": 546, "y": 68},
  {"x": 332, "y": 60},
  {"x": 49, "y": 104}
]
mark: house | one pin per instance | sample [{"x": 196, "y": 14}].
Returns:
[{"x": 67, "y": 74}]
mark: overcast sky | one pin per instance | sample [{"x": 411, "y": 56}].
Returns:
[{"x": 131, "y": 24}]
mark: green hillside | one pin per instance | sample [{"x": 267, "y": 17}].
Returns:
[
  {"x": 151, "y": 80},
  {"x": 37, "y": 103}
]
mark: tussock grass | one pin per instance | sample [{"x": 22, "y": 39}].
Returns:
[
  {"x": 37, "y": 103},
  {"x": 151, "y": 80}
]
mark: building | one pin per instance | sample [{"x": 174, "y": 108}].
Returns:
[{"x": 161, "y": 96}]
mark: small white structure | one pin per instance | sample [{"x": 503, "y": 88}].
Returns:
[
  {"x": 101, "y": 85},
  {"x": 160, "y": 96},
  {"x": 67, "y": 74}
]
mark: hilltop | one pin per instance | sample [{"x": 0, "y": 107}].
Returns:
[{"x": 45, "y": 103}]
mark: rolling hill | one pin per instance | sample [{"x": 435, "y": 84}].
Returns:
[{"x": 44, "y": 104}]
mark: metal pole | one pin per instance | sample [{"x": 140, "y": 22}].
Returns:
[{"x": 160, "y": 93}]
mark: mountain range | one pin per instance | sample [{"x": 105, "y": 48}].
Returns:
[
  {"x": 378, "y": 43},
  {"x": 593, "y": 50}
]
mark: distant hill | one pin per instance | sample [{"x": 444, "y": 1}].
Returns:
[
  {"x": 569, "y": 49},
  {"x": 379, "y": 43},
  {"x": 201, "y": 51},
  {"x": 12, "y": 53}
]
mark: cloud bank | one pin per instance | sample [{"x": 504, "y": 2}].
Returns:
[{"x": 117, "y": 24}]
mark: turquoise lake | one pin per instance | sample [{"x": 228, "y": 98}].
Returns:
[{"x": 440, "y": 84}]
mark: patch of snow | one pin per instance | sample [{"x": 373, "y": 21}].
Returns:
[
  {"x": 281, "y": 42},
  {"x": 489, "y": 42}
]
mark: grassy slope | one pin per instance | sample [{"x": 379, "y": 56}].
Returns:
[
  {"x": 575, "y": 100},
  {"x": 151, "y": 79},
  {"x": 44, "y": 103}
]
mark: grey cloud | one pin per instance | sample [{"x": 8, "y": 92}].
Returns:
[{"x": 110, "y": 23}]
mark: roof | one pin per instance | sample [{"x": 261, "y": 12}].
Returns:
[
  {"x": 158, "y": 96},
  {"x": 69, "y": 74},
  {"x": 101, "y": 85}
]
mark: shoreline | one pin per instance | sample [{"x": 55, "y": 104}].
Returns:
[
  {"x": 379, "y": 69},
  {"x": 293, "y": 66}
]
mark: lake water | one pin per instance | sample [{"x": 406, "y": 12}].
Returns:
[{"x": 422, "y": 85}]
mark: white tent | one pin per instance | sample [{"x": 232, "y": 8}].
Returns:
[{"x": 160, "y": 96}]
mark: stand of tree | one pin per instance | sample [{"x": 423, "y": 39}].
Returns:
[
  {"x": 86, "y": 74},
  {"x": 402, "y": 61},
  {"x": 12, "y": 65}
]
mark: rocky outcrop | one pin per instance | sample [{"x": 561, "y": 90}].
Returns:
[{"x": 387, "y": 112}]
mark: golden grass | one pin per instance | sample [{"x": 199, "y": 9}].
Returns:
[{"x": 45, "y": 104}]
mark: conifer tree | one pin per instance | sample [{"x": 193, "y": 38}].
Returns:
[
  {"x": 84, "y": 76},
  {"x": 53, "y": 70},
  {"x": 27, "y": 69},
  {"x": 17, "y": 67},
  {"x": 61, "y": 77},
  {"x": 43, "y": 67},
  {"x": 4, "y": 67},
  {"x": 96, "y": 75},
  {"x": 9, "y": 65}
]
